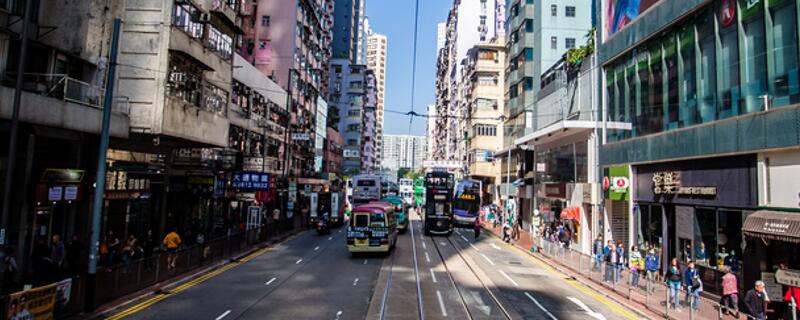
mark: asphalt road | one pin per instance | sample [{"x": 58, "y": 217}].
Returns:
[{"x": 456, "y": 277}]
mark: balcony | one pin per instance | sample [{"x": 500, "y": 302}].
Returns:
[
  {"x": 225, "y": 12},
  {"x": 57, "y": 100}
]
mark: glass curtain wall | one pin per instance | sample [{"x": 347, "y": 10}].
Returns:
[{"x": 784, "y": 74}]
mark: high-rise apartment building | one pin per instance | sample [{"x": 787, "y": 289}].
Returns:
[
  {"x": 430, "y": 130},
  {"x": 349, "y": 30},
  {"x": 376, "y": 61},
  {"x": 404, "y": 151}
]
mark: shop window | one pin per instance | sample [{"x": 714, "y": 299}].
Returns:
[
  {"x": 650, "y": 232},
  {"x": 784, "y": 86},
  {"x": 754, "y": 63},
  {"x": 707, "y": 83},
  {"x": 729, "y": 93},
  {"x": 688, "y": 89}
]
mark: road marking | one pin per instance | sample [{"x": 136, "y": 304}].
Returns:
[
  {"x": 316, "y": 248},
  {"x": 424, "y": 246},
  {"x": 586, "y": 308},
  {"x": 457, "y": 231},
  {"x": 365, "y": 261},
  {"x": 487, "y": 259},
  {"x": 269, "y": 282},
  {"x": 355, "y": 282},
  {"x": 298, "y": 261},
  {"x": 509, "y": 278},
  {"x": 433, "y": 276},
  {"x": 442, "y": 243},
  {"x": 441, "y": 303},
  {"x": 495, "y": 246},
  {"x": 340, "y": 231},
  {"x": 223, "y": 315},
  {"x": 474, "y": 247},
  {"x": 541, "y": 306},
  {"x": 338, "y": 314},
  {"x": 464, "y": 238},
  {"x": 330, "y": 238},
  {"x": 427, "y": 257}
]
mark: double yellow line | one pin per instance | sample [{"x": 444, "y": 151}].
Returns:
[
  {"x": 151, "y": 301},
  {"x": 579, "y": 286}
]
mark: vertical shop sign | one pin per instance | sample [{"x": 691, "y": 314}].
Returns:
[{"x": 313, "y": 198}]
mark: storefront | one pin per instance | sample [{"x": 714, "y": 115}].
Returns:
[
  {"x": 700, "y": 206},
  {"x": 569, "y": 205},
  {"x": 615, "y": 221}
]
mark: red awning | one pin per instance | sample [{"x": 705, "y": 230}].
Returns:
[{"x": 572, "y": 213}]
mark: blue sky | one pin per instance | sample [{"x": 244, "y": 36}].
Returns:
[{"x": 395, "y": 19}]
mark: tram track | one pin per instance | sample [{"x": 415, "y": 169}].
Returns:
[
  {"x": 504, "y": 313},
  {"x": 388, "y": 284}
]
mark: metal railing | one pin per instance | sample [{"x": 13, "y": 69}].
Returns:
[
  {"x": 649, "y": 290},
  {"x": 60, "y": 86}
]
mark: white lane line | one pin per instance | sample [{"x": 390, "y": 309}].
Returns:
[
  {"x": 355, "y": 282},
  {"x": 474, "y": 247},
  {"x": 495, "y": 246},
  {"x": 365, "y": 261},
  {"x": 509, "y": 278},
  {"x": 427, "y": 257},
  {"x": 464, "y": 238},
  {"x": 442, "y": 243},
  {"x": 541, "y": 306},
  {"x": 340, "y": 231},
  {"x": 457, "y": 231},
  {"x": 223, "y": 315},
  {"x": 330, "y": 238},
  {"x": 424, "y": 246},
  {"x": 338, "y": 314},
  {"x": 316, "y": 248},
  {"x": 433, "y": 276},
  {"x": 586, "y": 308},
  {"x": 298, "y": 261},
  {"x": 269, "y": 282},
  {"x": 441, "y": 303},
  {"x": 487, "y": 259}
]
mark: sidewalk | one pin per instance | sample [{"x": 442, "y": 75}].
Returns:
[{"x": 581, "y": 267}]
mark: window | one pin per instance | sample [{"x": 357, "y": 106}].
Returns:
[
  {"x": 754, "y": 62},
  {"x": 729, "y": 93},
  {"x": 707, "y": 83},
  {"x": 220, "y": 43},
  {"x": 354, "y": 113},
  {"x": 569, "y": 11},
  {"x": 184, "y": 18},
  {"x": 784, "y": 86},
  {"x": 487, "y": 80},
  {"x": 553, "y": 10},
  {"x": 528, "y": 25},
  {"x": 687, "y": 90},
  {"x": 265, "y": 21},
  {"x": 554, "y": 43},
  {"x": 484, "y": 130},
  {"x": 569, "y": 43}
]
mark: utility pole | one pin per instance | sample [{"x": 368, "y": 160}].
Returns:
[
  {"x": 100, "y": 180},
  {"x": 12, "y": 142}
]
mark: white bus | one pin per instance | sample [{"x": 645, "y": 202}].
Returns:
[
  {"x": 366, "y": 188},
  {"x": 407, "y": 190}
]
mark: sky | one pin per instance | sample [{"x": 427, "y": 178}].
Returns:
[{"x": 395, "y": 19}]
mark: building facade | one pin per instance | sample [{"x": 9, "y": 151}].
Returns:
[
  {"x": 376, "y": 61},
  {"x": 709, "y": 88},
  {"x": 404, "y": 151}
]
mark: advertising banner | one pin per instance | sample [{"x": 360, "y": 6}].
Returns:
[{"x": 36, "y": 304}]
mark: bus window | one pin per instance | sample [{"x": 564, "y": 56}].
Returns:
[
  {"x": 377, "y": 220},
  {"x": 361, "y": 220}
]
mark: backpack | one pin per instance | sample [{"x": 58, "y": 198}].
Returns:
[{"x": 696, "y": 283}]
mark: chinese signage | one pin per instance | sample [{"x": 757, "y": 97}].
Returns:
[
  {"x": 254, "y": 181},
  {"x": 788, "y": 277},
  {"x": 669, "y": 182},
  {"x": 36, "y": 304},
  {"x": 253, "y": 164},
  {"x": 300, "y": 136}
]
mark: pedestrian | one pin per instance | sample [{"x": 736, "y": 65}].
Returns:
[
  {"x": 620, "y": 261},
  {"x": 129, "y": 252},
  {"x": 597, "y": 250},
  {"x": 9, "y": 268},
  {"x": 506, "y": 232},
  {"x": 755, "y": 300},
  {"x": 730, "y": 294},
  {"x": 651, "y": 266},
  {"x": 673, "y": 278},
  {"x": 635, "y": 263},
  {"x": 172, "y": 242},
  {"x": 701, "y": 255},
  {"x": 57, "y": 252},
  {"x": 731, "y": 262},
  {"x": 517, "y": 228},
  {"x": 112, "y": 245},
  {"x": 693, "y": 285},
  {"x": 608, "y": 252},
  {"x": 477, "y": 228}
]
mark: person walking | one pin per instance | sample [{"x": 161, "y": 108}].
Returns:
[
  {"x": 755, "y": 300},
  {"x": 693, "y": 285},
  {"x": 730, "y": 294},
  {"x": 608, "y": 252},
  {"x": 651, "y": 266},
  {"x": 57, "y": 252},
  {"x": 129, "y": 252},
  {"x": 673, "y": 278},
  {"x": 477, "y": 228},
  {"x": 597, "y": 250},
  {"x": 620, "y": 261},
  {"x": 112, "y": 245},
  {"x": 171, "y": 243},
  {"x": 635, "y": 263}
]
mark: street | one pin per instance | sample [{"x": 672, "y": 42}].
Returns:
[{"x": 314, "y": 277}]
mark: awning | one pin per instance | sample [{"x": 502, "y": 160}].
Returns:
[
  {"x": 773, "y": 225},
  {"x": 572, "y": 213}
]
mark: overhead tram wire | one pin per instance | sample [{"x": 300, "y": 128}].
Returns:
[{"x": 414, "y": 65}]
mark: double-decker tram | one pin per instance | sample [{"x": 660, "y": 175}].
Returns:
[
  {"x": 467, "y": 202},
  {"x": 438, "y": 202}
]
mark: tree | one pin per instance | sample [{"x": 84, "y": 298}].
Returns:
[{"x": 403, "y": 173}]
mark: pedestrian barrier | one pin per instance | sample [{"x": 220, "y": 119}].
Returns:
[{"x": 651, "y": 292}]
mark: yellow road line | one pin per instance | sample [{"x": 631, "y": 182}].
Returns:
[
  {"x": 577, "y": 285},
  {"x": 151, "y": 301}
]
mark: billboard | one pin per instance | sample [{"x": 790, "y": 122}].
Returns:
[{"x": 619, "y": 13}]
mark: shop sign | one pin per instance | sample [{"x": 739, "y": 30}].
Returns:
[
  {"x": 62, "y": 175},
  {"x": 788, "y": 277},
  {"x": 253, "y": 164},
  {"x": 297, "y": 136},
  {"x": 71, "y": 193},
  {"x": 727, "y": 12},
  {"x": 555, "y": 190},
  {"x": 669, "y": 182},
  {"x": 200, "y": 180},
  {"x": 616, "y": 182},
  {"x": 254, "y": 181},
  {"x": 313, "y": 199},
  {"x": 55, "y": 193},
  {"x": 541, "y": 167}
]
